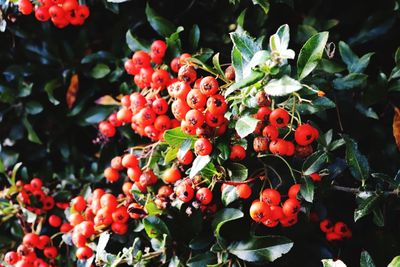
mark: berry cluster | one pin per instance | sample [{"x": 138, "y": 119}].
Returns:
[
  {"x": 272, "y": 124},
  {"x": 271, "y": 211},
  {"x": 60, "y": 12},
  {"x": 36, "y": 249},
  {"x": 334, "y": 232}
]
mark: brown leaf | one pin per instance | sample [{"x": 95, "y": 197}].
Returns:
[
  {"x": 72, "y": 90},
  {"x": 396, "y": 126},
  {"x": 107, "y": 100}
]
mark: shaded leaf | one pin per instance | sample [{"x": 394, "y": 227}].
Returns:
[
  {"x": 350, "y": 81},
  {"x": 261, "y": 248},
  {"x": 161, "y": 25},
  {"x": 365, "y": 207},
  {"x": 32, "y": 136},
  {"x": 366, "y": 260},
  {"x": 100, "y": 71},
  {"x": 198, "y": 164},
  {"x": 223, "y": 216},
  {"x": 314, "y": 162},
  {"x": 358, "y": 163},
  {"x": 155, "y": 227}
]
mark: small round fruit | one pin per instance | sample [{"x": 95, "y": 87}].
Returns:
[
  {"x": 204, "y": 195},
  {"x": 271, "y": 196},
  {"x": 54, "y": 221},
  {"x": 260, "y": 144},
  {"x": 279, "y": 118},
  {"x": 294, "y": 191},
  {"x": 111, "y": 175},
  {"x": 291, "y": 207},
  {"x": 209, "y": 86},
  {"x": 238, "y": 153},
  {"x": 243, "y": 191},
  {"x": 171, "y": 175},
  {"x": 326, "y": 226},
  {"x": 184, "y": 192},
  {"x": 84, "y": 253},
  {"x": 203, "y": 147},
  {"x": 259, "y": 211},
  {"x": 304, "y": 134}
]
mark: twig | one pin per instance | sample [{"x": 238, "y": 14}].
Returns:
[{"x": 357, "y": 190}]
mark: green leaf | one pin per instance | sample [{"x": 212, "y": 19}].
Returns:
[
  {"x": 155, "y": 227},
  {"x": 245, "y": 44},
  {"x": 317, "y": 105},
  {"x": 307, "y": 189},
  {"x": 353, "y": 62},
  {"x": 261, "y": 248},
  {"x": 264, "y": 4},
  {"x": 385, "y": 178},
  {"x": 194, "y": 37},
  {"x": 198, "y": 164},
  {"x": 378, "y": 218},
  {"x": 32, "y": 136},
  {"x": 283, "y": 86},
  {"x": 350, "y": 81},
  {"x": 238, "y": 65},
  {"x": 284, "y": 35},
  {"x": 254, "y": 77},
  {"x": 314, "y": 162},
  {"x": 209, "y": 171},
  {"x": 348, "y": 56},
  {"x": 96, "y": 114},
  {"x": 29, "y": 216},
  {"x": 237, "y": 172},
  {"x": 171, "y": 154},
  {"x": 174, "y": 48},
  {"x": 367, "y": 111},
  {"x": 397, "y": 57},
  {"x": 100, "y": 71},
  {"x": 152, "y": 208},
  {"x": 98, "y": 57},
  {"x": 332, "y": 263},
  {"x": 223, "y": 216},
  {"x": 202, "y": 260},
  {"x": 366, "y": 260},
  {"x": 49, "y": 89},
  {"x": 134, "y": 43},
  {"x": 395, "y": 262},
  {"x": 245, "y": 126},
  {"x": 365, "y": 207},
  {"x": 336, "y": 144},
  {"x": 161, "y": 25},
  {"x": 217, "y": 66},
  {"x": 175, "y": 137},
  {"x": 358, "y": 163},
  {"x": 33, "y": 107},
  {"x": 229, "y": 194},
  {"x": 311, "y": 53}
]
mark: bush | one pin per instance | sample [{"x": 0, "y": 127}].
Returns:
[{"x": 199, "y": 133}]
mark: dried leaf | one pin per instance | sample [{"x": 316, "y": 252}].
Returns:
[
  {"x": 396, "y": 126},
  {"x": 107, "y": 100},
  {"x": 72, "y": 90}
]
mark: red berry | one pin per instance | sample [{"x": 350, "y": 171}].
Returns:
[
  {"x": 55, "y": 221},
  {"x": 185, "y": 159},
  {"x": 259, "y": 211},
  {"x": 279, "y": 147},
  {"x": 111, "y": 175},
  {"x": 171, "y": 175},
  {"x": 84, "y": 253},
  {"x": 130, "y": 161},
  {"x": 270, "y": 132},
  {"x": 304, "y": 134},
  {"x": 184, "y": 191},
  {"x": 263, "y": 114},
  {"x": 209, "y": 86},
  {"x": 50, "y": 252},
  {"x": 160, "y": 79},
  {"x": 120, "y": 215},
  {"x": 36, "y": 183},
  {"x": 216, "y": 104},
  {"x": 260, "y": 144},
  {"x": 243, "y": 191},
  {"x": 107, "y": 129},
  {"x": 160, "y": 106},
  {"x": 238, "y": 153},
  {"x": 119, "y": 228},
  {"x": 175, "y": 64},
  {"x": 195, "y": 99},
  {"x": 279, "y": 118},
  {"x": 30, "y": 240},
  {"x": 187, "y": 74},
  {"x": 271, "y": 196},
  {"x": 42, "y": 14},
  {"x": 315, "y": 177},
  {"x": 291, "y": 207},
  {"x": 204, "y": 195},
  {"x": 109, "y": 201},
  {"x": 294, "y": 191},
  {"x": 158, "y": 48},
  {"x": 25, "y": 7},
  {"x": 195, "y": 118},
  {"x": 326, "y": 226},
  {"x": 11, "y": 257},
  {"x": 203, "y": 147}
]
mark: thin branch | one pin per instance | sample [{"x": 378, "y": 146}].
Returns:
[{"x": 357, "y": 190}]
